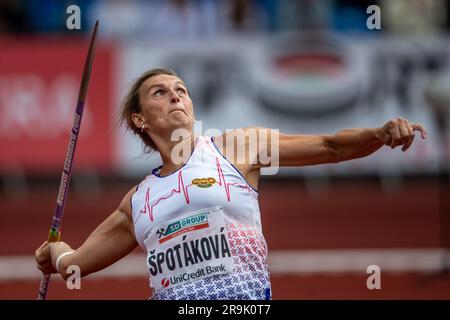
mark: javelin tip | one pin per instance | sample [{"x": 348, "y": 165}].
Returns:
[{"x": 88, "y": 66}]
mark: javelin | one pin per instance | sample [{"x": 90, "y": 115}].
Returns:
[{"x": 54, "y": 234}]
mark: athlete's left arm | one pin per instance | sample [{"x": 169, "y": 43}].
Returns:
[{"x": 301, "y": 150}]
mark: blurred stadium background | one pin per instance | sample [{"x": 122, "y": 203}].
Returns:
[{"x": 299, "y": 66}]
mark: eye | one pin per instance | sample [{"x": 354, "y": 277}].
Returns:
[
  {"x": 181, "y": 91},
  {"x": 158, "y": 92}
]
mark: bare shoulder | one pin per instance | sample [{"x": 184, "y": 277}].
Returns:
[
  {"x": 125, "y": 204},
  {"x": 242, "y": 146},
  {"x": 240, "y": 136}
]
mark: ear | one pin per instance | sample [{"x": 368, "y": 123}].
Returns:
[{"x": 138, "y": 119}]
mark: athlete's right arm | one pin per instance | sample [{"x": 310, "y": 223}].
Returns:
[{"x": 109, "y": 242}]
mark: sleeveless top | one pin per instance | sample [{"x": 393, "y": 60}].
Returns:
[{"x": 201, "y": 229}]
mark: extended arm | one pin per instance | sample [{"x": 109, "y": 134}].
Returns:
[
  {"x": 109, "y": 242},
  {"x": 300, "y": 150},
  {"x": 250, "y": 149}
]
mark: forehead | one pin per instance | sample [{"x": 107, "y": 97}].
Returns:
[{"x": 163, "y": 79}]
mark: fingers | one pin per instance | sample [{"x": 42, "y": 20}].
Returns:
[
  {"x": 39, "y": 254},
  {"x": 43, "y": 258},
  {"x": 408, "y": 143},
  {"x": 410, "y": 136},
  {"x": 42, "y": 246},
  {"x": 418, "y": 127},
  {"x": 46, "y": 268},
  {"x": 401, "y": 133},
  {"x": 405, "y": 132},
  {"x": 396, "y": 136}
]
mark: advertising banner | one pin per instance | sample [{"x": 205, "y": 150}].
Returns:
[
  {"x": 39, "y": 83},
  {"x": 299, "y": 84}
]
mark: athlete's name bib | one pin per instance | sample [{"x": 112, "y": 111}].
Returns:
[{"x": 188, "y": 248}]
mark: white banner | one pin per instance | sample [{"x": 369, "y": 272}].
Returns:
[{"x": 301, "y": 85}]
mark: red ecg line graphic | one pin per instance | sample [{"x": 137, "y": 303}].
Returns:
[
  {"x": 182, "y": 188},
  {"x": 227, "y": 185}
]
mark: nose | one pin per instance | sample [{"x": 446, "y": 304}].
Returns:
[{"x": 174, "y": 98}]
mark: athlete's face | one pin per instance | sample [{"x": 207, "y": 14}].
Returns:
[{"x": 165, "y": 104}]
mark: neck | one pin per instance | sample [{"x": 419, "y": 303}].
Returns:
[{"x": 175, "y": 154}]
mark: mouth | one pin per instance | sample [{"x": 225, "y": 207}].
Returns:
[{"x": 178, "y": 110}]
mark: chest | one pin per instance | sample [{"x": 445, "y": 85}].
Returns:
[{"x": 194, "y": 187}]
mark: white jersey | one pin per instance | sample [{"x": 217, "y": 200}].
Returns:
[{"x": 201, "y": 229}]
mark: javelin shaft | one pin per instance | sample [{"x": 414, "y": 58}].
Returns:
[{"x": 54, "y": 233}]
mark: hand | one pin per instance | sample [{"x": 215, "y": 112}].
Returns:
[
  {"x": 46, "y": 252},
  {"x": 44, "y": 258},
  {"x": 400, "y": 132}
]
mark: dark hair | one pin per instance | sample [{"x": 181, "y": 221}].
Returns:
[{"x": 131, "y": 104}]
